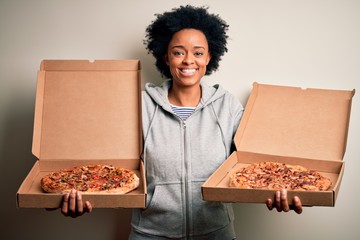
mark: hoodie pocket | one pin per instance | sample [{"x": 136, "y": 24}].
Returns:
[
  {"x": 209, "y": 216},
  {"x": 164, "y": 214}
]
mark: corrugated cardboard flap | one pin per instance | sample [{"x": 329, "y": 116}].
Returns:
[
  {"x": 88, "y": 110},
  {"x": 86, "y": 65},
  {"x": 296, "y": 122}
]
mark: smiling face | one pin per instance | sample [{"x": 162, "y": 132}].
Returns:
[{"x": 187, "y": 57}]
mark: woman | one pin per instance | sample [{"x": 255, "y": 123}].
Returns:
[{"x": 188, "y": 130}]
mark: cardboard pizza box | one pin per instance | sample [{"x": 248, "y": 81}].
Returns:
[
  {"x": 290, "y": 125},
  {"x": 86, "y": 113}
]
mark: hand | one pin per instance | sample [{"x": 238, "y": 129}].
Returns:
[
  {"x": 73, "y": 204},
  {"x": 282, "y": 204}
]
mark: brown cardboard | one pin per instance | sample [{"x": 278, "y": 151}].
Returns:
[
  {"x": 290, "y": 125},
  {"x": 86, "y": 113}
]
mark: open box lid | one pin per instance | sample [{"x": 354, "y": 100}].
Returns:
[
  {"x": 88, "y": 110},
  {"x": 295, "y": 122}
]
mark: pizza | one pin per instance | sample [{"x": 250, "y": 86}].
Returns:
[
  {"x": 97, "y": 178},
  {"x": 276, "y": 176}
]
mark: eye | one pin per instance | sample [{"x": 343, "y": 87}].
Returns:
[
  {"x": 178, "y": 53},
  {"x": 199, "y": 54}
]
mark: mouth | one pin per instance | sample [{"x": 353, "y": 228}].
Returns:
[{"x": 188, "y": 71}]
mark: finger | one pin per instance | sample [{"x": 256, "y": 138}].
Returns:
[
  {"x": 65, "y": 204},
  {"x": 278, "y": 201},
  {"x": 284, "y": 200},
  {"x": 72, "y": 202},
  {"x": 269, "y": 204},
  {"x": 297, "y": 205},
  {"x": 88, "y": 207},
  {"x": 79, "y": 204}
]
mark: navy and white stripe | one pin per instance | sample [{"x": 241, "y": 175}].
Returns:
[{"x": 183, "y": 112}]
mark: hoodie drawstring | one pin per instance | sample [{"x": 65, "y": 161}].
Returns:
[
  {"x": 221, "y": 129},
  {"x": 147, "y": 134}
]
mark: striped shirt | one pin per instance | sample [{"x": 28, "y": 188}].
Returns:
[{"x": 183, "y": 112}]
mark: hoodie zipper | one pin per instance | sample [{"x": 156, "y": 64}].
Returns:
[
  {"x": 186, "y": 178},
  {"x": 187, "y": 212}
]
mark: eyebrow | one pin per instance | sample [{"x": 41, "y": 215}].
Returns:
[{"x": 181, "y": 46}]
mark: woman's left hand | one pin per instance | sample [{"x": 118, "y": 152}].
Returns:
[{"x": 282, "y": 203}]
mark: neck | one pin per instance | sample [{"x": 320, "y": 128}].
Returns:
[{"x": 184, "y": 97}]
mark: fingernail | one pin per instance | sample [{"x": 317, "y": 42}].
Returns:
[
  {"x": 278, "y": 194},
  {"x": 66, "y": 196}
]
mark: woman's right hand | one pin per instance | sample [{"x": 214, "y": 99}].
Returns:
[{"x": 73, "y": 205}]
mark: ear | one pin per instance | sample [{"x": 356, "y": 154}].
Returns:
[
  {"x": 208, "y": 58},
  {"x": 166, "y": 59}
]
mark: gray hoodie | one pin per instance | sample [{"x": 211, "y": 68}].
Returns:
[{"x": 179, "y": 156}]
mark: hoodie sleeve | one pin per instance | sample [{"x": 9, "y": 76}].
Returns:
[{"x": 237, "y": 113}]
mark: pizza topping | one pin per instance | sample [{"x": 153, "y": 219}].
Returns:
[
  {"x": 276, "y": 176},
  {"x": 91, "y": 178}
]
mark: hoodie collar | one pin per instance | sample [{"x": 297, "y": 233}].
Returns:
[{"x": 160, "y": 93}]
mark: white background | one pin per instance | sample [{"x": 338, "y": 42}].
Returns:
[{"x": 308, "y": 43}]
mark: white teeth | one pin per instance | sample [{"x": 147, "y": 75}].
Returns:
[{"x": 188, "y": 70}]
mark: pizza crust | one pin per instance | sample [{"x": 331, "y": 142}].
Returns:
[
  {"x": 100, "y": 178},
  {"x": 276, "y": 176}
]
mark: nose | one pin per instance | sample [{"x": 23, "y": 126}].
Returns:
[{"x": 188, "y": 59}]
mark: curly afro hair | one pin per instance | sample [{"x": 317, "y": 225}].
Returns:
[{"x": 161, "y": 30}]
